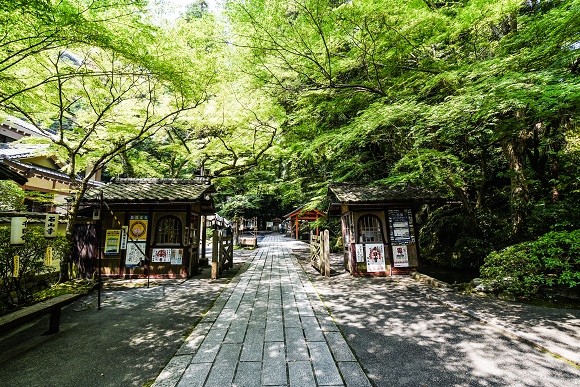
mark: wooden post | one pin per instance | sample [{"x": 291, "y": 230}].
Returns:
[
  {"x": 215, "y": 255},
  {"x": 326, "y": 252}
]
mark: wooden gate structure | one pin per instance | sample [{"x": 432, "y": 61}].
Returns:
[
  {"x": 320, "y": 252},
  {"x": 222, "y": 255}
]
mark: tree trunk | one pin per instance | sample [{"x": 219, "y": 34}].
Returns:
[{"x": 519, "y": 198}]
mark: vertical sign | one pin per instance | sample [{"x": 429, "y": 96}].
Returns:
[
  {"x": 124, "y": 233},
  {"x": 50, "y": 225},
  {"x": 48, "y": 255},
  {"x": 16, "y": 266},
  {"x": 17, "y": 226}
]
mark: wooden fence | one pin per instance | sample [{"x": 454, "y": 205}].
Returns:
[
  {"x": 222, "y": 255},
  {"x": 320, "y": 252}
]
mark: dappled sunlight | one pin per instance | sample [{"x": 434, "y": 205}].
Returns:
[{"x": 391, "y": 324}]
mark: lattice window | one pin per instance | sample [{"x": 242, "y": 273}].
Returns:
[
  {"x": 369, "y": 229},
  {"x": 169, "y": 230}
]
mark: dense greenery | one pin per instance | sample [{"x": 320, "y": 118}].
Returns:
[
  {"x": 551, "y": 261},
  {"x": 476, "y": 100},
  {"x": 17, "y": 288}
]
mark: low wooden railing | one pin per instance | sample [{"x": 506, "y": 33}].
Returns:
[{"x": 320, "y": 252}]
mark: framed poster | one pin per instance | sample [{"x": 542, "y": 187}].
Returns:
[
  {"x": 112, "y": 241},
  {"x": 176, "y": 256},
  {"x": 400, "y": 256},
  {"x": 138, "y": 228},
  {"x": 161, "y": 255},
  {"x": 375, "y": 257},
  {"x": 135, "y": 253}
]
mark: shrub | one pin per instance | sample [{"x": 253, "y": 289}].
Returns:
[
  {"x": 18, "y": 290},
  {"x": 524, "y": 269}
]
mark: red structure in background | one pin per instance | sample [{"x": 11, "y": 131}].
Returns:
[{"x": 300, "y": 215}]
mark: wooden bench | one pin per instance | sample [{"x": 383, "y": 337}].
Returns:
[{"x": 52, "y": 306}]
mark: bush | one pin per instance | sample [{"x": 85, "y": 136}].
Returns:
[
  {"x": 19, "y": 290},
  {"x": 552, "y": 261}
]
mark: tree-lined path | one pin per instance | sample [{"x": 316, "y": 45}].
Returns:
[{"x": 267, "y": 328}]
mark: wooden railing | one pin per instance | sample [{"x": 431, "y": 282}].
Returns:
[{"x": 320, "y": 252}]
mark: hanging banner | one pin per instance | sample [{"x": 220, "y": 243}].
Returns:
[
  {"x": 375, "y": 256},
  {"x": 17, "y": 226},
  {"x": 135, "y": 253},
  {"x": 112, "y": 241},
  {"x": 50, "y": 225},
  {"x": 138, "y": 228},
  {"x": 124, "y": 234},
  {"x": 400, "y": 256}
]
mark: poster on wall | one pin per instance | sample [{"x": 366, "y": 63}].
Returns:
[
  {"x": 176, "y": 256},
  {"x": 138, "y": 228},
  {"x": 161, "y": 255},
  {"x": 401, "y": 225},
  {"x": 360, "y": 253},
  {"x": 135, "y": 253},
  {"x": 375, "y": 256},
  {"x": 400, "y": 256},
  {"x": 112, "y": 240}
]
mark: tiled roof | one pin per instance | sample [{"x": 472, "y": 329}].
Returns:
[
  {"x": 22, "y": 151},
  {"x": 151, "y": 190},
  {"x": 352, "y": 193}
]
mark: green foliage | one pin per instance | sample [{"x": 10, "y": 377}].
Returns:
[
  {"x": 18, "y": 290},
  {"x": 12, "y": 196},
  {"x": 525, "y": 269}
]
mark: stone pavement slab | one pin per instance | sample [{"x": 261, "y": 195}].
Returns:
[{"x": 267, "y": 328}]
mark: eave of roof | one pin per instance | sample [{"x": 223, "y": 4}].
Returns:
[
  {"x": 6, "y": 173},
  {"x": 362, "y": 194},
  {"x": 151, "y": 190}
]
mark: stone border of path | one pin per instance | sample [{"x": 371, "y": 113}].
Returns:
[{"x": 307, "y": 348}]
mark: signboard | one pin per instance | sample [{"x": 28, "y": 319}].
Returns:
[
  {"x": 375, "y": 257},
  {"x": 50, "y": 225},
  {"x": 401, "y": 222},
  {"x": 400, "y": 256},
  {"x": 135, "y": 253},
  {"x": 112, "y": 241},
  {"x": 16, "y": 266},
  {"x": 138, "y": 228},
  {"x": 17, "y": 226}
]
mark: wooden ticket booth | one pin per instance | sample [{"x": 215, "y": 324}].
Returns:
[
  {"x": 143, "y": 227},
  {"x": 379, "y": 231}
]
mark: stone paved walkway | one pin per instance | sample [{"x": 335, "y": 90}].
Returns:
[{"x": 268, "y": 328}]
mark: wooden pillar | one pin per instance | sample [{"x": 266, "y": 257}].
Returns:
[
  {"x": 326, "y": 252},
  {"x": 215, "y": 255}
]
